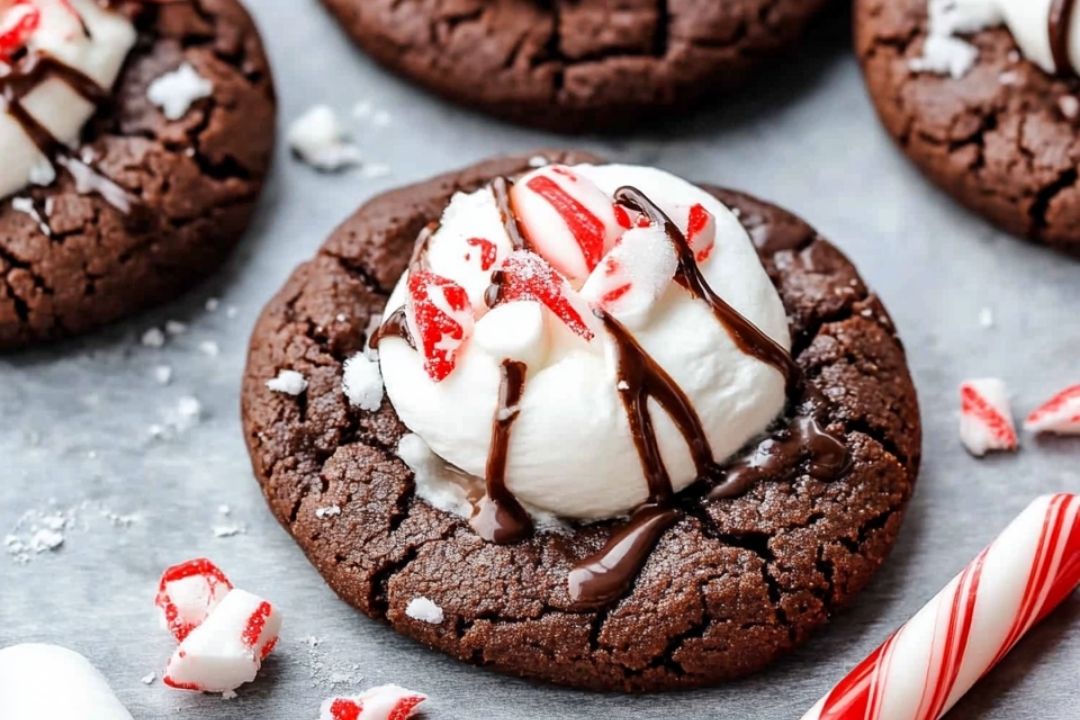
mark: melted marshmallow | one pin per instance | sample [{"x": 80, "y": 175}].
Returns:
[{"x": 571, "y": 451}]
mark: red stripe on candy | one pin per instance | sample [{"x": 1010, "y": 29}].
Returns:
[{"x": 587, "y": 229}]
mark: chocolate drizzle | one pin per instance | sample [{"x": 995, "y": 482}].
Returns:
[
  {"x": 499, "y": 517},
  {"x": 1061, "y": 15},
  {"x": 500, "y": 188},
  {"x": 18, "y": 80},
  {"x": 747, "y": 336},
  {"x": 396, "y": 325}
]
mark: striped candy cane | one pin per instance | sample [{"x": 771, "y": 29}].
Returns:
[{"x": 930, "y": 662}]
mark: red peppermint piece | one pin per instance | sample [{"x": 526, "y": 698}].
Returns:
[
  {"x": 16, "y": 26},
  {"x": 985, "y": 417},
  {"x": 1060, "y": 414},
  {"x": 527, "y": 276},
  {"x": 488, "y": 252},
  {"x": 627, "y": 221},
  {"x": 587, "y": 229},
  {"x": 443, "y": 317},
  {"x": 701, "y": 232},
  {"x": 188, "y": 592}
]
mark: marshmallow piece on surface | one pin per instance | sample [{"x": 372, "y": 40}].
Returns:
[
  {"x": 46, "y": 682},
  {"x": 567, "y": 219},
  {"x": 228, "y": 648},
  {"x": 362, "y": 382},
  {"x": 633, "y": 275},
  {"x": 187, "y": 593},
  {"x": 985, "y": 417},
  {"x": 386, "y": 702},
  {"x": 1059, "y": 415}
]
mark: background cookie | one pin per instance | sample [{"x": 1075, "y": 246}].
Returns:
[
  {"x": 78, "y": 262},
  {"x": 731, "y": 587},
  {"x": 1000, "y": 139},
  {"x": 575, "y": 65}
]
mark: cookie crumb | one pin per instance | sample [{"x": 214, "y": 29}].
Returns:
[
  {"x": 362, "y": 382},
  {"x": 176, "y": 91},
  {"x": 316, "y": 137},
  {"x": 288, "y": 382},
  {"x": 424, "y": 610}
]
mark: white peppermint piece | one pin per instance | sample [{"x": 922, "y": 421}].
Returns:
[
  {"x": 228, "y": 648},
  {"x": 318, "y": 139},
  {"x": 362, "y": 382},
  {"x": 47, "y": 682},
  {"x": 288, "y": 382},
  {"x": 187, "y": 594},
  {"x": 631, "y": 277},
  {"x": 424, "y": 610},
  {"x": 175, "y": 92},
  {"x": 1059, "y": 415},
  {"x": 386, "y": 702}
]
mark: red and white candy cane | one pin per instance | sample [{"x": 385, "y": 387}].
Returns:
[{"x": 929, "y": 663}]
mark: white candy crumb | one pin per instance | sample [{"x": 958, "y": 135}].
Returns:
[
  {"x": 189, "y": 410},
  {"x": 175, "y": 92},
  {"x": 175, "y": 327},
  {"x": 329, "y": 511},
  {"x": 163, "y": 374},
  {"x": 538, "y": 161},
  {"x": 318, "y": 139},
  {"x": 362, "y": 382},
  {"x": 381, "y": 118},
  {"x": 424, "y": 610},
  {"x": 209, "y": 348},
  {"x": 362, "y": 110},
  {"x": 228, "y": 695},
  {"x": 26, "y": 206},
  {"x": 623, "y": 385},
  {"x": 212, "y": 304},
  {"x": 224, "y": 509},
  {"x": 289, "y": 382},
  {"x": 1069, "y": 105},
  {"x": 149, "y": 678},
  {"x": 231, "y": 312},
  {"x": 153, "y": 338},
  {"x": 228, "y": 531},
  {"x": 986, "y": 318},
  {"x": 46, "y": 539},
  {"x": 375, "y": 170}
]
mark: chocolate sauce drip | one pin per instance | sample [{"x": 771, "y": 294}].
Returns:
[
  {"x": 642, "y": 379},
  {"x": 19, "y": 80},
  {"x": 804, "y": 440},
  {"x": 605, "y": 576},
  {"x": 747, "y": 336},
  {"x": 499, "y": 516},
  {"x": 396, "y": 325},
  {"x": 500, "y": 188},
  {"x": 1061, "y": 14}
]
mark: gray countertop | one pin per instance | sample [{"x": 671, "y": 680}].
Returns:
[{"x": 87, "y": 430}]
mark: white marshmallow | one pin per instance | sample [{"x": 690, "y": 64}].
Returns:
[
  {"x": 362, "y": 382},
  {"x": 228, "y": 648},
  {"x": 515, "y": 331},
  {"x": 46, "y": 682}
]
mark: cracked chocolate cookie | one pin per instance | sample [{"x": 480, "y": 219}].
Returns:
[
  {"x": 983, "y": 96},
  {"x": 573, "y": 66},
  {"x": 584, "y": 423},
  {"x": 136, "y": 137}
]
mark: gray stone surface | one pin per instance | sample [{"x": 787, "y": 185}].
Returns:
[{"x": 76, "y": 419}]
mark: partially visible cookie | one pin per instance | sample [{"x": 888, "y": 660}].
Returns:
[
  {"x": 575, "y": 65},
  {"x": 163, "y": 178},
  {"x": 734, "y": 584},
  {"x": 993, "y": 123}
]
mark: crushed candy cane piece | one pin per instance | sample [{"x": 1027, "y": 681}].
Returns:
[
  {"x": 288, "y": 382},
  {"x": 442, "y": 316},
  {"x": 525, "y": 275},
  {"x": 187, "y": 593},
  {"x": 424, "y": 610},
  {"x": 566, "y": 218},
  {"x": 1059, "y": 415},
  {"x": 634, "y": 274},
  {"x": 985, "y": 417},
  {"x": 386, "y": 702},
  {"x": 228, "y": 648}
]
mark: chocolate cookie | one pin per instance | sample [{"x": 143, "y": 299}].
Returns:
[
  {"x": 146, "y": 206},
  {"x": 1002, "y": 137},
  {"x": 578, "y": 65},
  {"x": 742, "y": 576}
]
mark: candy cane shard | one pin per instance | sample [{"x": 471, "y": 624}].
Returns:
[
  {"x": 1060, "y": 414},
  {"x": 985, "y": 417},
  {"x": 228, "y": 648},
  {"x": 187, "y": 593},
  {"x": 927, "y": 665},
  {"x": 386, "y": 702}
]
